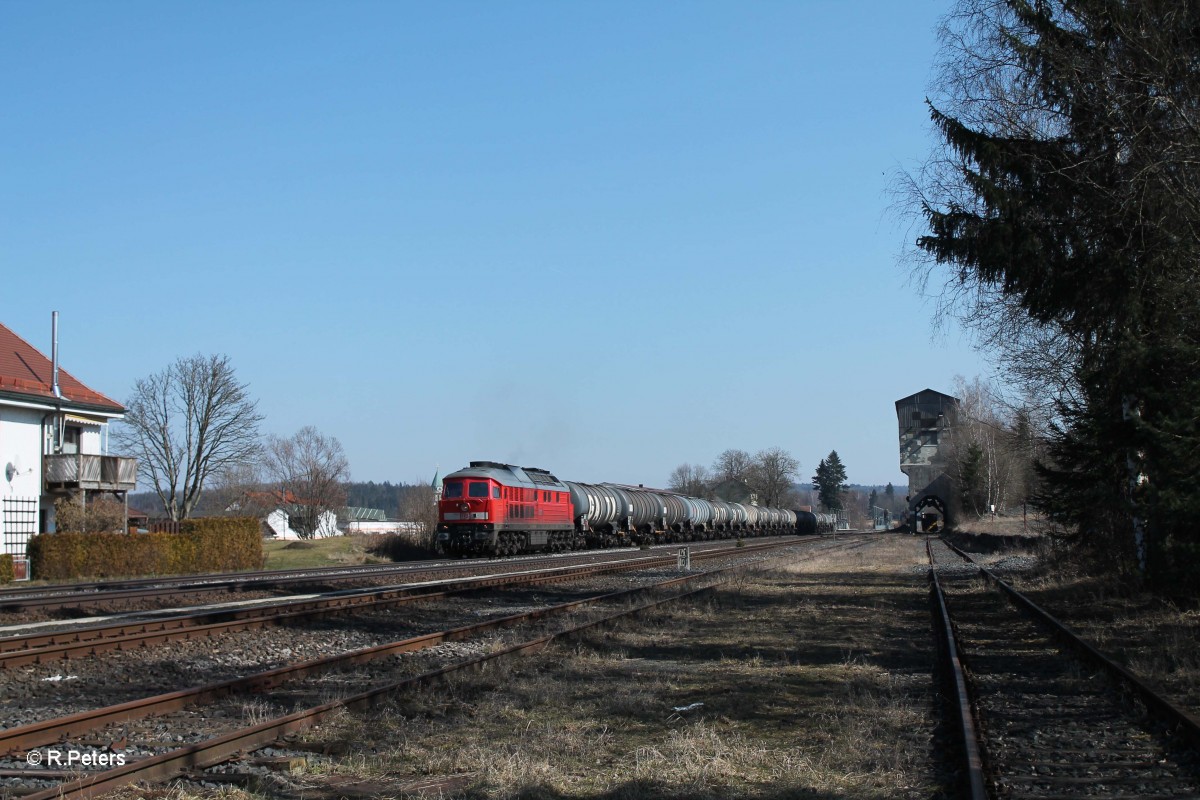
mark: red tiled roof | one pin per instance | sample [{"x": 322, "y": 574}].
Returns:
[
  {"x": 24, "y": 370},
  {"x": 283, "y": 496}
]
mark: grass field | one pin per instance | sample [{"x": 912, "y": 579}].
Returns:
[
  {"x": 808, "y": 681},
  {"x": 335, "y": 551}
]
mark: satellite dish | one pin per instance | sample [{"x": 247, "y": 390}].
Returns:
[{"x": 10, "y": 471}]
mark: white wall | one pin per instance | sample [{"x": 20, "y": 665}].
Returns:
[{"x": 21, "y": 446}]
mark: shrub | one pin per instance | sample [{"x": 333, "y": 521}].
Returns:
[
  {"x": 6, "y": 568},
  {"x": 101, "y": 515},
  {"x": 218, "y": 544},
  {"x": 400, "y": 547}
]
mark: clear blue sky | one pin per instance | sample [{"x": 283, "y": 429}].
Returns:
[{"x": 602, "y": 238}]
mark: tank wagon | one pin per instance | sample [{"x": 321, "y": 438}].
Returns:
[{"x": 491, "y": 508}]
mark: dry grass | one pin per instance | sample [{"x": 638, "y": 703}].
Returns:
[
  {"x": 333, "y": 551},
  {"x": 805, "y": 694},
  {"x": 814, "y": 678},
  {"x": 1033, "y": 525},
  {"x": 1156, "y": 639}
]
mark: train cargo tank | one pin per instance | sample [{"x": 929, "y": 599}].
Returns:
[
  {"x": 602, "y": 514},
  {"x": 700, "y": 517}
]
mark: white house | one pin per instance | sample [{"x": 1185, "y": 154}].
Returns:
[{"x": 53, "y": 441}]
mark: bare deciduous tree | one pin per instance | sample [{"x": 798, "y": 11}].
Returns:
[
  {"x": 771, "y": 474},
  {"x": 992, "y": 451},
  {"x": 240, "y": 489},
  {"x": 732, "y": 465},
  {"x": 186, "y": 423},
  {"x": 690, "y": 479},
  {"x": 416, "y": 504},
  {"x": 310, "y": 471}
]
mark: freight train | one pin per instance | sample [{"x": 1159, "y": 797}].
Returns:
[{"x": 500, "y": 509}]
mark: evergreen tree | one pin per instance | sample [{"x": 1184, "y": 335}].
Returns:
[
  {"x": 830, "y": 481},
  {"x": 1074, "y": 204}
]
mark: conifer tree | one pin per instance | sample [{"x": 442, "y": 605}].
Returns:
[
  {"x": 830, "y": 481},
  {"x": 1069, "y": 195}
]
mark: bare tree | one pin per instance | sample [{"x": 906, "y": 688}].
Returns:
[
  {"x": 693, "y": 480},
  {"x": 417, "y": 504},
  {"x": 240, "y": 489},
  {"x": 993, "y": 449},
  {"x": 732, "y": 465},
  {"x": 771, "y": 474},
  {"x": 310, "y": 472},
  {"x": 186, "y": 423}
]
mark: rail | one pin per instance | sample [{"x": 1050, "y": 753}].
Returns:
[
  {"x": 968, "y": 731},
  {"x": 1171, "y": 714},
  {"x": 221, "y": 748}
]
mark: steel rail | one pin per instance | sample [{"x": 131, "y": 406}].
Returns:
[
  {"x": 357, "y": 570},
  {"x": 92, "y": 640},
  {"x": 968, "y": 731},
  {"x": 72, "y": 597},
  {"x": 204, "y": 754},
  {"x": 36, "y": 734},
  {"x": 1151, "y": 696},
  {"x": 231, "y": 584}
]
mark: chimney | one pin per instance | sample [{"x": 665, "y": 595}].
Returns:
[{"x": 54, "y": 355}]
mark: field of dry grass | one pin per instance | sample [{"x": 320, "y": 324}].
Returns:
[
  {"x": 804, "y": 681},
  {"x": 1155, "y": 638}
]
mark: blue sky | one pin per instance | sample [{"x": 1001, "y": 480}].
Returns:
[{"x": 602, "y": 238}]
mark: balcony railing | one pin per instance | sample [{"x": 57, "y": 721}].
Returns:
[{"x": 80, "y": 471}]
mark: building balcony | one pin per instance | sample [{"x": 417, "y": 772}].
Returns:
[{"x": 79, "y": 471}]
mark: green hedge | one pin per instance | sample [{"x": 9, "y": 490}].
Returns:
[
  {"x": 216, "y": 544},
  {"x": 6, "y": 568}
]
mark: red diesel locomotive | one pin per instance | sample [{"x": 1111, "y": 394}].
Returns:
[{"x": 502, "y": 509}]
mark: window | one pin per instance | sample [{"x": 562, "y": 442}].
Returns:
[
  {"x": 452, "y": 489},
  {"x": 496, "y": 492},
  {"x": 71, "y": 436},
  {"x": 478, "y": 489}
]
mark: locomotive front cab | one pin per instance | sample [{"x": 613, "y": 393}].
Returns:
[{"x": 466, "y": 514}]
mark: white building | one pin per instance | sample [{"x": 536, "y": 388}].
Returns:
[{"x": 53, "y": 442}]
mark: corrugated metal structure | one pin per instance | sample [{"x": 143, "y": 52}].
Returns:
[{"x": 926, "y": 421}]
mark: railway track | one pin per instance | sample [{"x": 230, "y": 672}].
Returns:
[
  {"x": 1043, "y": 715},
  {"x": 79, "y": 596},
  {"x": 43, "y": 647},
  {"x": 309, "y": 680}
]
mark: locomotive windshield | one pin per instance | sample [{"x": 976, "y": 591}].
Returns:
[
  {"x": 452, "y": 489},
  {"x": 478, "y": 489}
]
